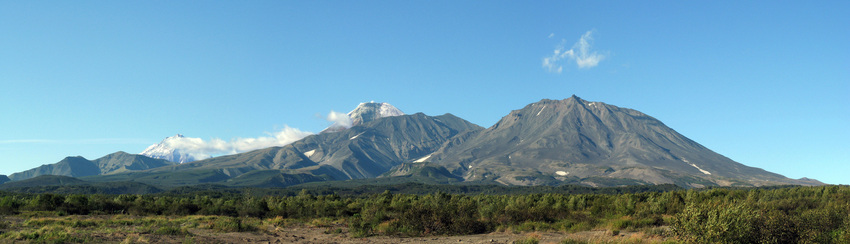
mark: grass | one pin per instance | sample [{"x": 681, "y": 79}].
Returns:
[
  {"x": 47, "y": 228},
  {"x": 46, "y": 234},
  {"x": 172, "y": 230}
]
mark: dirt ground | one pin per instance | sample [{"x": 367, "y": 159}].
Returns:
[
  {"x": 322, "y": 235},
  {"x": 303, "y": 234}
]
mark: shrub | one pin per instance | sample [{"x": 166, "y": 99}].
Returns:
[
  {"x": 9, "y": 205},
  {"x": 46, "y": 202},
  {"x": 710, "y": 223},
  {"x": 230, "y": 224}
]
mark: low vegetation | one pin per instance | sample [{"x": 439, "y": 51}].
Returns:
[{"x": 757, "y": 215}]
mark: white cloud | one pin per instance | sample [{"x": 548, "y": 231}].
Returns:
[
  {"x": 587, "y": 58},
  {"x": 201, "y": 149},
  {"x": 581, "y": 52},
  {"x": 551, "y": 35},
  {"x": 339, "y": 119}
]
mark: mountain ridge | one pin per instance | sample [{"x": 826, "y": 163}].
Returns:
[
  {"x": 549, "y": 142},
  {"x": 363, "y": 151},
  {"x": 78, "y": 166}
]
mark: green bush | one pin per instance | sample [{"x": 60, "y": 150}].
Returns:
[
  {"x": 714, "y": 223},
  {"x": 230, "y": 224},
  {"x": 9, "y": 205}
]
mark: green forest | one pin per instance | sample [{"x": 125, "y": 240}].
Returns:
[{"x": 720, "y": 215}]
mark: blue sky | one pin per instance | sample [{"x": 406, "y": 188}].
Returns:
[{"x": 765, "y": 83}]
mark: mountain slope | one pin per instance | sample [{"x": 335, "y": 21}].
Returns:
[
  {"x": 574, "y": 140},
  {"x": 44, "y": 180},
  {"x": 79, "y": 166},
  {"x": 422, "y": 173},
  {"x": 58, "y": 184},
  {"x": 123, "y": 162},
  {"x": 272, "y": 178},
  {"x": 371, "y": 149}
]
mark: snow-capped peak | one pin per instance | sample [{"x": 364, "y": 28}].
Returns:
[
  {"x": 388, "y": 110},
  {"x": 364, "y": 112},
  {"x": 163, "y": 151}
]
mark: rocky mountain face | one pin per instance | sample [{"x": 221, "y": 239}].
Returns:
[
  {"x": 78, "y": 166},
  {"x": 374, "y": 147},
  {"x": 4, "y": 179},
  {"x": 161, "y": 150},
  {"x": 592, "y": 143}
]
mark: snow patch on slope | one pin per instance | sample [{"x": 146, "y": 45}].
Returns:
[
  {"x": 541, "y": 110},
  {"x": 695, "y": 166},
  {"x": 309, "y": 153},
  {"x": 422, "y": 159},
  {"x": 355, "y": 136}
]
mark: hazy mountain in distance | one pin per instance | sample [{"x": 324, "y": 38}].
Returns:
[{"x": 79, "y": 166}]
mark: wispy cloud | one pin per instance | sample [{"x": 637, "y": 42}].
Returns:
[
  {"x": 581, "y": 53},
  {"x": 201, "y": 149},
  {"x": 29, "y": 141},
  {"x": 587, "y": 58},
  {"x": 75, "y": 141}
]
